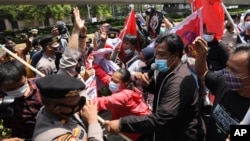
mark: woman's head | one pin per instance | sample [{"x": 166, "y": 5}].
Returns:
[{"x": 119, "y": 80}]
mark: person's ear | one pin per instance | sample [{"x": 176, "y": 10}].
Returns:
[{"x": 57, "y": 109}]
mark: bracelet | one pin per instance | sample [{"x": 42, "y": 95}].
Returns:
[{"x": 82, "y": 36}]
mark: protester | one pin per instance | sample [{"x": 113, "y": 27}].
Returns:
[
  {"x": 125, "y": 99},
  {"x": 229, "y": 37},
  {"x": 89, "y": 47},
  {"x": 129, "y": 46},
  {"x": 26, "y": 103},
  {"x": 75, "y": 48},
  {"x": 230, "y": 89},
  {"x": 245, "y": 34},
  {"x": 218, "y": 54},
  {"x": 176, "y": 104},
  {"x": 65, "y": 115},
  {"x": 11, "y": 45},
  {"x": 47, "y": 64},
  {"x": 34, "y": 33}
]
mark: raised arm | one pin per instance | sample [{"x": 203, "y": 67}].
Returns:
[
  {"x": 78, "y": 26},
  {"x": 201, "y": 48}
]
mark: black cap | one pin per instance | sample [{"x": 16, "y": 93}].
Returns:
[
  {"x": 47, "y": 40},
  {"x": 59, "y": 86},
  {"x": 130, "y": 38}
]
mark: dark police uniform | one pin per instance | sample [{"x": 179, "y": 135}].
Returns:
[{"x": 50, "y": 127}]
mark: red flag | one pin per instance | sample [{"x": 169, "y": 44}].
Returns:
[
  {"x": 195, "y": 4},
  {"x": 189, "y": 28},
  {"x": 213, "y": 17},
  {"x": 129, "y": 28}
]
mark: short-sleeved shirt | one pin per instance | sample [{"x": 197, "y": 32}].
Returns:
[{"x": 47, "y": 65}]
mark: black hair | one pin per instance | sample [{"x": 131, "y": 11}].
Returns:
[
  {"x": 130, "y": 38},
  {"x": 36, "y": 41},
  {"x": 7, "y": 38},
  {"x": 243, "y": 48},
  {"x": 125, "y": 77},
  {"x": 173, "y": 42},
  {"x": 11, "y": 71},
  {"x": 246, "y": 15}
]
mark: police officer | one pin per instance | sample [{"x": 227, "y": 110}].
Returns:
[{"x": 65, "y": 115}]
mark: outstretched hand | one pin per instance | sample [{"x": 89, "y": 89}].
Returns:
[{"x": 79, "y": 23}]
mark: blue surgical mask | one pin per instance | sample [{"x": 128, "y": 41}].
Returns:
[
  {"x": 208, "y": 37},
  {"x": 128, "y": 51},
  {"x": 162, "y": 30},
  {"x": 113, "y": 87},
  {"x": 161, "y": 65}
]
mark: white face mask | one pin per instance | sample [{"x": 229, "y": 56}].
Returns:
[
  {"x": 18, "y": 92},
  {"x": 208, "y": 37},
  {"x": 113, "y": 87},
  {"x": 141, "y": 64},
  {"x": 247, "y": 25}
]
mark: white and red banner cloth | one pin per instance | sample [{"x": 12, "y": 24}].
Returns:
[{"x": 189, "y": 28}]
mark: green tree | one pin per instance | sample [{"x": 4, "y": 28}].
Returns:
[{"x": 59, "y": 12}]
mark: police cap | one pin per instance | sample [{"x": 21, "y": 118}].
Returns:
[{"x": 59, "y": 86}]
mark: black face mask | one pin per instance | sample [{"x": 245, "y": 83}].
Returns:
[{"x": 74, "y": 108}]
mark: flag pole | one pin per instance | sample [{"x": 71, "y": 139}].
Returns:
[
  {"x": 125, "y": 28},
  {"x": 231, "y": 20}
]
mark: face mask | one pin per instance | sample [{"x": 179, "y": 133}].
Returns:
[
  {"x": 234, "y": 82},
  {"x": 128, "y": 51},
  {"x": 74, "y": 108},
  {"x": 18, "y": 92},
  {"x": 247, "y": 25},
  {"x": 208, "y": 38},
  {"x": 141, "y": 64},
  {"x": 161, "y": 65},
  {"x": 113, "y": 87},
  {"x": 162, "y": 30}
]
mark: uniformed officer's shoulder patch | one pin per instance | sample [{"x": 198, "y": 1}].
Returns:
[{"x": 66, "y": 137}]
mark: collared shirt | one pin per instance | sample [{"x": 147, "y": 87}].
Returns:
[
  {"x": 46, "y": 65},
  {"x": 25, "y": 110}
]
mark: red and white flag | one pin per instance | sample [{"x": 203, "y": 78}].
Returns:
[
  {"x": 129, "y": 28},
  {"x": 190, "y": 28}
]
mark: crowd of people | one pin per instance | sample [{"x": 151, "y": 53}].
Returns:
[{"x": 156, "y": 92}]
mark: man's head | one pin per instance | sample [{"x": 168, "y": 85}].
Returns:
[
  {"x": 238, "y": 65},
  {"x": 9, "y": 43},
  {"x": 49, "y": 43},
  {"x": 208, "y": 36},
  {"x": 34, "y": 32},
  {"x": 247, "y": 21},
  {"x": 61, "y": 94},
  {"x": 13, "y": 80},
  {"x": 59, "y": 29},
  {"x": 129, "y": 43},
  {"x": 169, "y": 50},
  {"x": 146, "y": 55}
]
